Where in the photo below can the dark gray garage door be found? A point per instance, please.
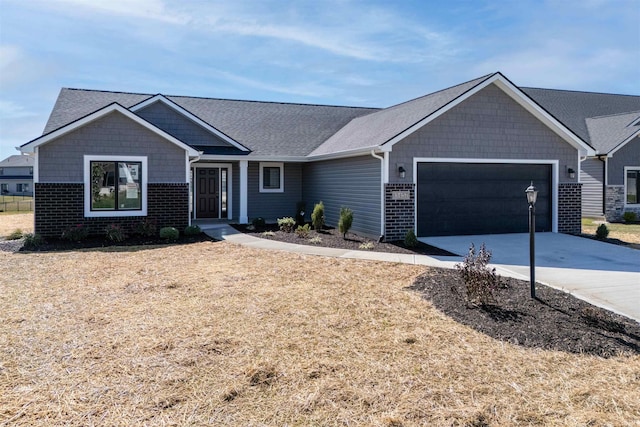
(480, 198)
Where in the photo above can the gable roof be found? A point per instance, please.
(175, 107)
(573, 108)
(384, 128)
(265, 128)
(17, 161)
(30, 146)
(612, 131)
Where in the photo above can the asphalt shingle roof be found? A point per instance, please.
(573, 108)
(17, 161)
(610, 131)
(266, 128)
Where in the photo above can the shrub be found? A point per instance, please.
(301, 207)
(345, 221)
(145, 228)
(75, 233)
(33, 241)
(480, 280)
(15, 234)
(303, 231)
(268, 233)
(287, 224)
(114, 233)
(316, 240)
(258, 222)
(169, 233)
(629, 216)
(602, 232)
(367, 246)
(317, 216)
(410, 239)
(192, 230)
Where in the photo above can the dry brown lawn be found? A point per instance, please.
(629, 233)
(9, 222)
(218, 334)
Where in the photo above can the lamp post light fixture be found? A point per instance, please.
(532, 196)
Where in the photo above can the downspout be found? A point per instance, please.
(382, 216)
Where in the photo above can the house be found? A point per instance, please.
(16, 176)
(611, 125)
(456, 161)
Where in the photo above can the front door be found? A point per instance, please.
(208, 193)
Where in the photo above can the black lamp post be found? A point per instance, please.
(532, 196)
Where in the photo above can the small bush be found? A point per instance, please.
(114, 233)
(629, 216)
(33, 241)
(602, 232)
(268, 233)
(303, 231)
(287, 224)
(367, 246)
(145, 228)
(169, 233)
(75, 233)
(317, 216)
(345, 221)
(15, 234)
(316, 240)
(410, 239)
(192, 230)
(258, 222)
(480, 280)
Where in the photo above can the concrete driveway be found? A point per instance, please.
(603, 274)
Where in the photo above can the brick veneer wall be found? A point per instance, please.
(570, 208)
(399, 214)
(59, 205)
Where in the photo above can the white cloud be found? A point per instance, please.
(141, 9)
(11, 110)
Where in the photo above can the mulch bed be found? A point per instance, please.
(332, 238)
(553, 321)
(53, 245)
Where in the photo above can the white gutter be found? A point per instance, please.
(382, 175)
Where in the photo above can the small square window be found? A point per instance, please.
(271, 177)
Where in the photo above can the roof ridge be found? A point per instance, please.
(220, 99)
(486, 76)
(614, 114)
(579, 91)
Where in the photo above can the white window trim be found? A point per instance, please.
(272, 165)
(626, 169)
(88, 213)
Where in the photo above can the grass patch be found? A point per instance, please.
(247, 337)
(629, 233)
(13, 221)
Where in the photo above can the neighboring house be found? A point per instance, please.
(16, 176)
(611, 125)
(456, 161)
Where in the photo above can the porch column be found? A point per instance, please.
(244, 167)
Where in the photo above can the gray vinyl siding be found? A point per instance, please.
(628, 155)
(178, 125)
(16, 171)
(592, 178)
(271, 206)
(62, 160)
(353, 182)
(488, 125)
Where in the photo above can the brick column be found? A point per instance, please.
(570, 208)
(399, 209)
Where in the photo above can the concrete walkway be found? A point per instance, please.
(603, 274)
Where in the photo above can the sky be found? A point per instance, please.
(372, 53)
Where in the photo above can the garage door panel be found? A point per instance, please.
(471, 198)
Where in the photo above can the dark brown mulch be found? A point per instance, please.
(54, 245)
(332, 238)
(553, 321)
